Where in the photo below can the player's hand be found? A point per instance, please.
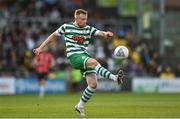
(37, 50)
(109, 34)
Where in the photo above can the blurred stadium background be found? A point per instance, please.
(149, 28)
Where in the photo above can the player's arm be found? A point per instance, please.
(50, 39)
(104, 34)
(54, 36)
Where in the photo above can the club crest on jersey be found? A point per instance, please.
(83, 57)
(79, 39)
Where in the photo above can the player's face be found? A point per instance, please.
(81, 20)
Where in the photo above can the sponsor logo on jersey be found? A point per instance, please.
(79, 39)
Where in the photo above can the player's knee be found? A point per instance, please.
(92, 63)
(93, 85)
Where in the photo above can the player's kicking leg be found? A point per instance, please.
(104, 72)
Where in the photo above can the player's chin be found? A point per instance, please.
(82, 25)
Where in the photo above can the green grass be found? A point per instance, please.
(101, 105)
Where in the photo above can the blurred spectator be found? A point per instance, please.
(167, 73)
(177, 70)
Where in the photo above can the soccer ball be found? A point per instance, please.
(121, 52)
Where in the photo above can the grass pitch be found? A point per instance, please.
(102, 105)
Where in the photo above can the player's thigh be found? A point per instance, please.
(78, 61)
(91, 80)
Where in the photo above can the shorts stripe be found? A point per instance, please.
(85, 62)
(88, 72)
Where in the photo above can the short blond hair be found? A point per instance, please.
(80, 11)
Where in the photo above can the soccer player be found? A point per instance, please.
(77, 37)
(42, 63)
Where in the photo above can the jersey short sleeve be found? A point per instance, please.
(61, 30)
(94, 31)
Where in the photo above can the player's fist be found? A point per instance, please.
(37, 50)
(109, 34)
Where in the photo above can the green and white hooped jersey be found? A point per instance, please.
(76, 39)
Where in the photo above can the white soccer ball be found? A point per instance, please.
(121, 52)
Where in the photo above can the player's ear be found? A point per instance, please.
(75, 17)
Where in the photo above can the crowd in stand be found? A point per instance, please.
(24, 24)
